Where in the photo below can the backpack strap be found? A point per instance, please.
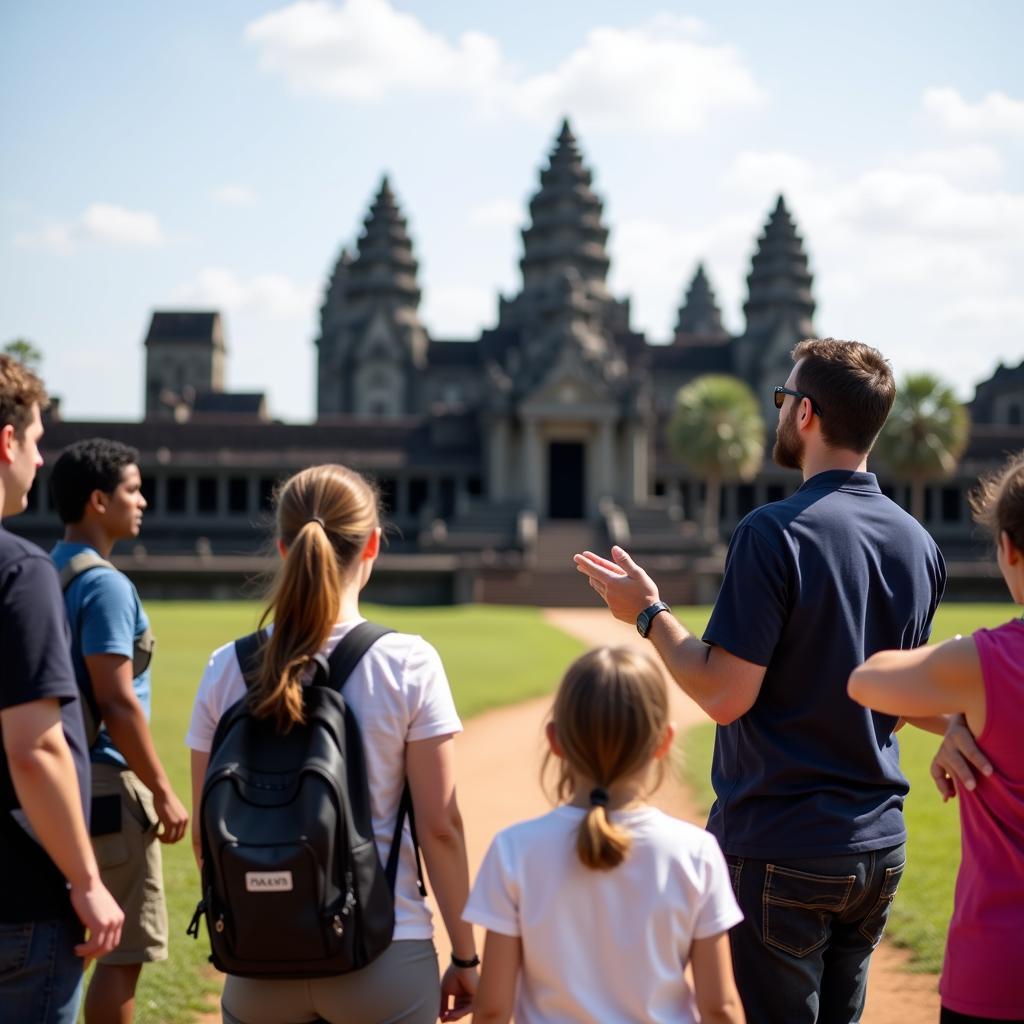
(82, 562)
(247, 651)
(75, 567)
(342, 661)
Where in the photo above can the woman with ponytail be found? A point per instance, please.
(594, 910)
(328, 536)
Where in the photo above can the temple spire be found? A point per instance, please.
(384, 267)
(566, 231)
(779, 282)
(699, 316)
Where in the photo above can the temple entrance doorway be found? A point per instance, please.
(566, 480)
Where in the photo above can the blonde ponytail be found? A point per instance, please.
(610, 714)
(601, 844)
(325, 515)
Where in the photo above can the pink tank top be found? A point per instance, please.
(983, 973)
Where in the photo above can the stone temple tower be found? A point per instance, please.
(779, 307)
(372, 346)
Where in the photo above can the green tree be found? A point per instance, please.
(925, 435)
(25, 352)
(717, 432)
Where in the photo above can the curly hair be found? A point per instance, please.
(20, 390)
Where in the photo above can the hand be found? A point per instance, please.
(957, 755)
(458, 987)
(171, 814)
(621, 584)
(101, 916)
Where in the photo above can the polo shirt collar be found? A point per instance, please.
(845, 479)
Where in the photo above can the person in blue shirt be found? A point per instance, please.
(809, 792)
(55, 913)
(98, 493)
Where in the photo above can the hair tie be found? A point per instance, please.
(316, 519)
(599, 797)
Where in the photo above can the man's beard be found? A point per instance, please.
(789, 450)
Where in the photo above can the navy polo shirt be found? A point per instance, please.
(35, 655)
(813, 586)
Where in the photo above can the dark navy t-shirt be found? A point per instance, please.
(35, 664)
(813, 586)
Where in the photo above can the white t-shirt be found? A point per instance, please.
(399, 694)
(610, 946)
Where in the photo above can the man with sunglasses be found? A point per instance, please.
(97, 489)
(809, 792)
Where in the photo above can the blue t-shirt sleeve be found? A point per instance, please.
(34, 639)
(753, 604)
(107, 622)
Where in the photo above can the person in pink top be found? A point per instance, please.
(982, 678)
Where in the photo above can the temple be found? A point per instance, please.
(497, 456)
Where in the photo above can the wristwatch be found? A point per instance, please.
(473, 961)
(646, 617)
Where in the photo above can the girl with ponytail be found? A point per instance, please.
(328, 536)
(594, 910)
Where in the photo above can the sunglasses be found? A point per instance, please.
(780, 397)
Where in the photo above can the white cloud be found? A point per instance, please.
(962, 164)
(270, 295)
(996, 114)
(497, 213)
(765, 174)
(105, 223)
(1004, 313)
(659, 77)
(234, 195)
(927, 204)
(364, 49)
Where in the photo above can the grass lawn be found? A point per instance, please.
(493, 656)
(922, 908)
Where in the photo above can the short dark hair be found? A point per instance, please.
(20, 389)
(852, 384)
(96, 464)
(998, 501)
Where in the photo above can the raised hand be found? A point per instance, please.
(621, 583)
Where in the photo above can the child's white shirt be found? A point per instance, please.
(608, 946)
(399, 694)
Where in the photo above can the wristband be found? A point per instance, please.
(473, 961)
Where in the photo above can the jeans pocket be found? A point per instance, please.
(796, 906)
(15, 946)
(735, 865)
(873, 926)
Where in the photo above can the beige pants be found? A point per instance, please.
(131, 867)
(400, 987)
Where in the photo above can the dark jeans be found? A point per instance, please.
(40, 976)
(801, 953)
(952, 1017)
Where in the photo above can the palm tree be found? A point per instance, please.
(925, 435)
(25, 352)
(717, 431)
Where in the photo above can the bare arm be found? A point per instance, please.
(122, 714)
(715, 988)
(44, 779)
(199, 760)
(503, 958)
(723, 685)
(939, 689)
(430, 765)
(923, 682)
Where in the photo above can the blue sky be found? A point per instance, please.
(219, 155)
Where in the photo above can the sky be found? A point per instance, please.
(218, 156)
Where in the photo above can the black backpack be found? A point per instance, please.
(292, 883)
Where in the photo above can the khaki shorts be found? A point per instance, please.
(130, 863)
